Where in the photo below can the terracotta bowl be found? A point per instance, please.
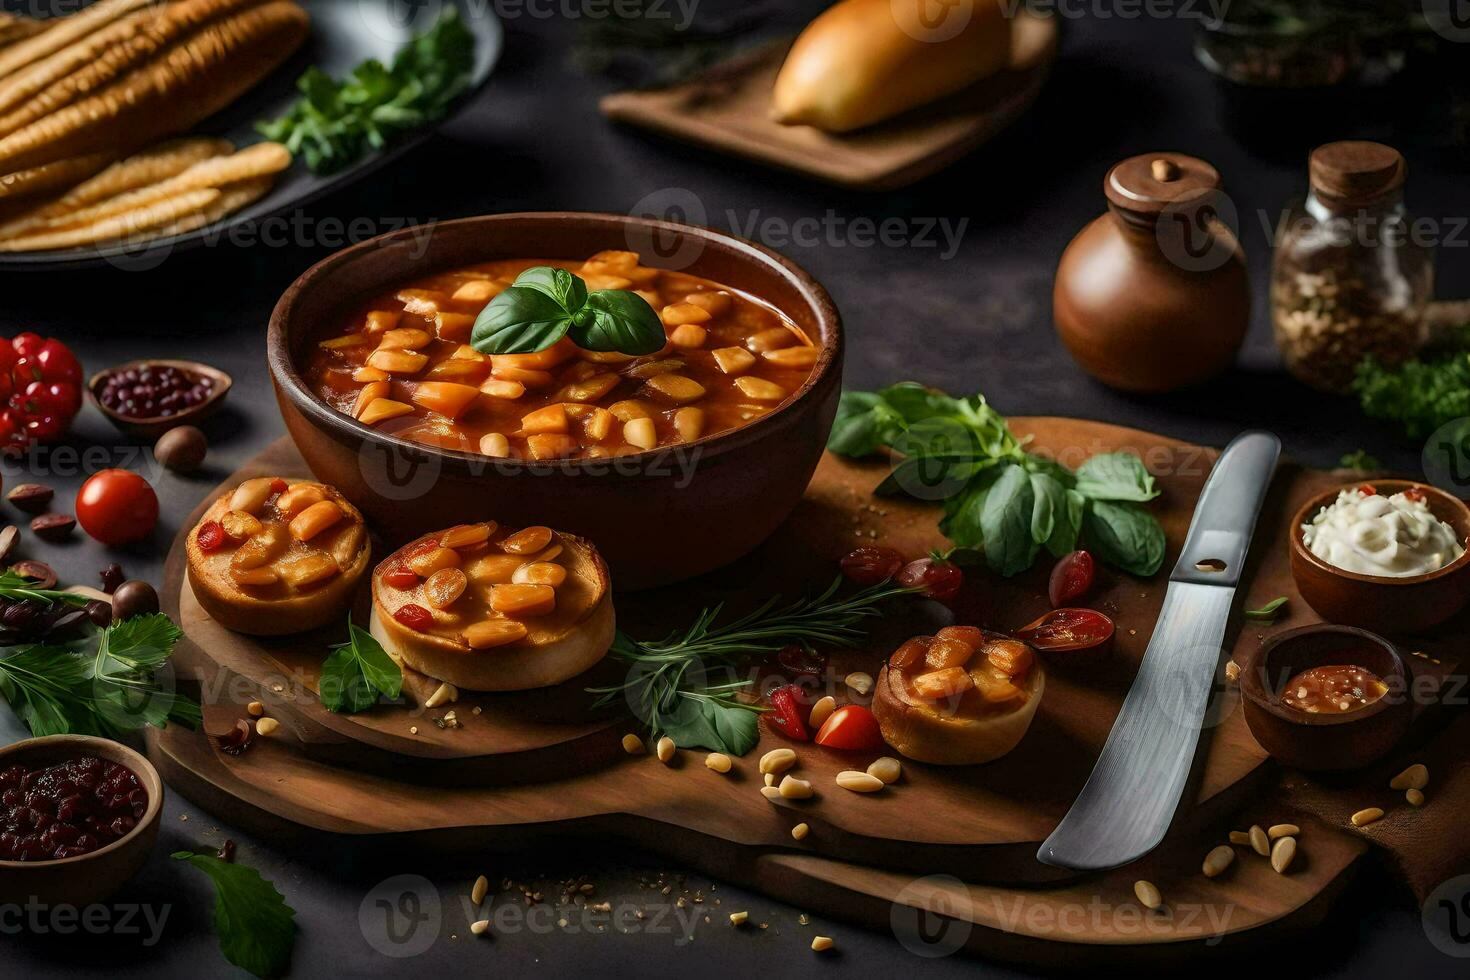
(1347, 740)
(657, 517)
(1410, 604)
(92, 877)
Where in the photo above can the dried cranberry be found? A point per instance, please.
(414, 616)
(211, 536)
(66, 809)
(801, 661)
(871, 565)
(401, 578)
(940, 579)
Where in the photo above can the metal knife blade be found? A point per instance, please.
(1129, 800)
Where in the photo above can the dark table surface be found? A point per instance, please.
(966, 312)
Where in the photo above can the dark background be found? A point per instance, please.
(977, 320)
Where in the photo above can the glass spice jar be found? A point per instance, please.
(1350, 276)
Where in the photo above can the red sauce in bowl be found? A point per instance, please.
(66, 809)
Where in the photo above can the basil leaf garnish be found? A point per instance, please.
(546, 304)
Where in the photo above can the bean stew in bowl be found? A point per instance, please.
(615, 376)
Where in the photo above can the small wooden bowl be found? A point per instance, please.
(1325, 742)
(152, 428)
(87, 878)
(1408, 604)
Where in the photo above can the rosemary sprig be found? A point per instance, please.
(668, 684)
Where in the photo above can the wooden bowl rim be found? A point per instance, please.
(1307, 511)
(286, 375)
(1251, 686)
(104, 748)
(222, 379)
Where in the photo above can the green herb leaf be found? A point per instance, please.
(1005, 522)
(618, 320)
(1123, 535)
(255, 926)
(335, 123)
(357, 673)
(1115, 476)
(1269, 611)
(15, 586)
(520, 320)
(864, 424)
(1359, 459)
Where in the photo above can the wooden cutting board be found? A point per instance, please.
(727, 109)
(526, 767)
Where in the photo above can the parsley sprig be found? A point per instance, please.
(255, 926)
(669, 685)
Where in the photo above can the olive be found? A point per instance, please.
(99, 612)
(133, 598)
(182, 449)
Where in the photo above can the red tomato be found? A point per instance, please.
(871, 565)
(940, 579)
(1415, 494)
(211, 536)
(1367, 489)
(117, 507)
(1071, 579)
(414, 616)
(785, 715)
(41, 388)
(1068, 629)
(851, 727)
(401, 578)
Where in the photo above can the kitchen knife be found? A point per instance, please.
(1130, 798)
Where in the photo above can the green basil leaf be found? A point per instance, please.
(1068, 524)
(255, 926)
(708, 724)
(569, 291)
(1049, 498)
(1005, 522)
(521, 320)
(915, 403)
(864, 424)
(1116, 476)
(962, 513)
(356, 673)
(1269, 611)
(1124, 535)
(618, 320)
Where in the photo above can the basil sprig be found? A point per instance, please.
(546, 304)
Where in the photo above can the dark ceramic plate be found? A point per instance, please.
(343, 34)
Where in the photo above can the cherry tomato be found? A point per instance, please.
(117, 507)
(871, 565)
(1071, 579)
(414, 616)
(940, 579)
(801, 661)
(401, 578)
(1068, 629)
(851, 727)
(785, 715)
(40, 387)
(211, 536)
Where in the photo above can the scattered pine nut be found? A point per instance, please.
(859, 682)
(1414, 777)
(859, 782)
(718, 761)
(665, 749)
(771, 793)
(443, 694)
(255, 709)
(886, 768)
(1218, 860)
(477, 893)
(1282, 830)
(1148, 894)
(1260, 843)
(633, 745)
(738, 918)
(413, 729)
(1414, 796)
(778, 760)
(481, 927)
(1232, 671)
(770, 779)
(1364, 817)
(820, 944)
(800, 831)
(1240, 837)
(1282, 853)
(792, 788)
(821, 711)
(266, 726)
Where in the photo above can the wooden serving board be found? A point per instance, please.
(528, 767)
(727, 108)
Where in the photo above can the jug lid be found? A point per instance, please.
(1147, 184)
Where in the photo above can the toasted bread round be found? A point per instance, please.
(953, 732)
(556, 644)
(302, 596)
